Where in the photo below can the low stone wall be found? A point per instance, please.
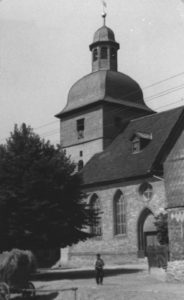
(175, 271)
(88, 259)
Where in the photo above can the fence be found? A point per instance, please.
(30, 293)
(62, 294)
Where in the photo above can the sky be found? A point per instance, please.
(44, 50)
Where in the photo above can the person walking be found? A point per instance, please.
(99, 271)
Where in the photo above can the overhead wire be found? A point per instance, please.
(111, 123)
(156, 96)
(146, 99)
(146, 87)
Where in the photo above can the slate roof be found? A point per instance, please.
(106, 86)
(118, 162)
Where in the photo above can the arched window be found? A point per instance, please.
(95, 54)
(119, 213)
(104, 52)
(113, 53)
(80, 165)
(96, 229)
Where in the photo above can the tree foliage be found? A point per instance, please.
(161, 223)
(41, 202)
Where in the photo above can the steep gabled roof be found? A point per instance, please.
(118, 162)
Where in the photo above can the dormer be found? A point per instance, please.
(140, 140)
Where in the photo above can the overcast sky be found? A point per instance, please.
(44, 50)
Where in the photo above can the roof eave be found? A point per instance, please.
(65, 113)
(146, 175)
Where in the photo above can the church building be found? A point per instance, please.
(123, 150)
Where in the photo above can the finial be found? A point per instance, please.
(104, 14)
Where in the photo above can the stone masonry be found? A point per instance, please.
(120, 248)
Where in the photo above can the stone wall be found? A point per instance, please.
(176, 233)
(174, 174)
(175, 271)
(174, 185)
(119, 248)
(88, 150)
(91, 143)
(93, 124)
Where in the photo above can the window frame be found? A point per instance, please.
(95, 54)
(95, 205)
(120, 218)
(136, 145)
(113, 53)
(80, 165)
(80, 126)
(103, 52)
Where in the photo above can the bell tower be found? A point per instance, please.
(104, 49)
(100, 104)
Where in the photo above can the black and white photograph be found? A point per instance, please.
(92, 149)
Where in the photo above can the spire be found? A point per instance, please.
(104, 14)
(104, 47)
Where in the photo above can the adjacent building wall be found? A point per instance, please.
(174, 184)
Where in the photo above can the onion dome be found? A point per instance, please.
(104, 34)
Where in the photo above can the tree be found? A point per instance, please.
(41, 202)
(161, 223)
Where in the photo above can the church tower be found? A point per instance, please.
(100, 104)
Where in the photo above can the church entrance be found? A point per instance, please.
(147, 234)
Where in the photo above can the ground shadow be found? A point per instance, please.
(80, 274)
(49, 296)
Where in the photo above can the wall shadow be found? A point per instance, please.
(80, 274)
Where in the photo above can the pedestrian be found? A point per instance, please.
(99, 272)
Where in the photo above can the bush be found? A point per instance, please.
(16, 267)
(161, 223)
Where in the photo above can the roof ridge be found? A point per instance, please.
(158, 113)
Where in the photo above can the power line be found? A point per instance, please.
(146, 87)
(147, 99)
(109, 124)
(163, 80)
(44, 125)
(158, 95)
(55, 131)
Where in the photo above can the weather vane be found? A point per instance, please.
(104, 14)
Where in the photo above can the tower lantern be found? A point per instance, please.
(104, 48)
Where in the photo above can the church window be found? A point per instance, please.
(95, 54)
(146, 190)
(104, 52)
(96, 228)
(80, 128)
(81, 153)
(80, 165)
(119, 213)
(113, 53)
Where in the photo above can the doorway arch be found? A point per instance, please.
(146, 231)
